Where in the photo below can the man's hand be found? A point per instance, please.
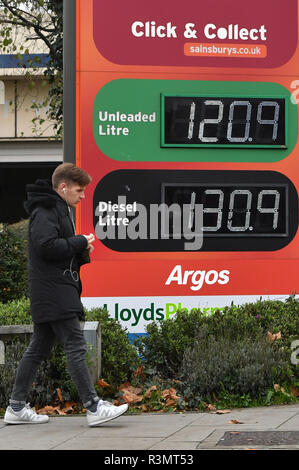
(90, 239)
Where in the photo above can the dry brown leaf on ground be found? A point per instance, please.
(131, 398)
(278, 388)
(143, 408)
(102, 383)
(149, 392)
(46, 410)
(131, 395)
(170, 402)
(129, 388)
(222, 412)
(68, 407)
(170, 393)
(124, 385)
(71, 404)
(60, 411)
(235, 421)
(210, 407)
(59, 394)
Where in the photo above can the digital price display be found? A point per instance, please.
(233, 211)
(241, 210)
(199, 121)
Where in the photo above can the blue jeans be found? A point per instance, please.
(70, 335)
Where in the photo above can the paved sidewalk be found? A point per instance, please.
(273, 427)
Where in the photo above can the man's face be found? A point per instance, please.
(73, 194)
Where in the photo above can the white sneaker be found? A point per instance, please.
(25, 416)
(105, 412)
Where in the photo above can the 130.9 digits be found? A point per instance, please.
(233, 211)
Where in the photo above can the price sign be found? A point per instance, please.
(234, 211)
(241, 210)
(218, 121)
(187, 121)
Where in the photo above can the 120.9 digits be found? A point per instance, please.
(201, 121)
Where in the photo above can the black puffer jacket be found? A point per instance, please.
(55, 256)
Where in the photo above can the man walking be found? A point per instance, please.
(56, 254)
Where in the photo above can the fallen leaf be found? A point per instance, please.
(211, 407)
(170, 402)
(278, 388)
(60, 411)
(272, 337)
(129, 388)
(235, 421)
(67, 409)
(59, 394)
(152, 389)
(139, 371)
(131, 395)
(124, 385)
(46, 410)
(234, 432)
(249, 448)
(71, 404)
(222, 412)
(172, 394)
(131, 398)
(102, 383)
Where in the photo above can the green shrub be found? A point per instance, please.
(52, 374)
(21, 229)
(13, 263)
(15, 312)
(168, 339)
(271, 315)
(119, 357)
(13, 353)
(240, 366)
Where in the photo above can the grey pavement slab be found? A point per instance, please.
(264, 438)
(161, 431)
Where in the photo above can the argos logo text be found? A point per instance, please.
(197, 278)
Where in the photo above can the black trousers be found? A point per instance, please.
(45, 335)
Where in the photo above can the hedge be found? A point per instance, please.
(119, 357)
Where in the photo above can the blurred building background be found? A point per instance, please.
(28, 146)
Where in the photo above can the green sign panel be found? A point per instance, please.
(205, 121)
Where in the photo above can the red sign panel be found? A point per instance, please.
(215, 33)
(184, 103)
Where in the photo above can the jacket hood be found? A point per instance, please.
(41, 193)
